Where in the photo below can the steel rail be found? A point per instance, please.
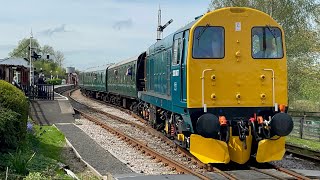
(303, 152)
(267, 173)
(280, 169)
(144, 148)
(289, 172)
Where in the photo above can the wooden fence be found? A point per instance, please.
(306, 125)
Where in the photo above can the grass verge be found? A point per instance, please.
(308, 144)
(37, 157)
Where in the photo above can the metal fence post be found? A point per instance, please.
(53, 92)
(301, 125)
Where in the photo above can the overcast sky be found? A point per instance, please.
(92, 32)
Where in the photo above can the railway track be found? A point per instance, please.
(187, 164)
(303, 153)
(123, 129)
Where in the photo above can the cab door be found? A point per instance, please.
(184, 66)
(178, 72)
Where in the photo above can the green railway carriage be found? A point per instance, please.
(122, 78)
(118, 83)
(126, 78)
(94, 79)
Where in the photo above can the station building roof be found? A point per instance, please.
(15, 62)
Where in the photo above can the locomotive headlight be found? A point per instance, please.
(281, 124)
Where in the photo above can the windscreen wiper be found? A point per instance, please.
(271, 31)
(203, 29)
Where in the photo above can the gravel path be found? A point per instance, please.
(92, 152)
(291, 162)
(133, 158)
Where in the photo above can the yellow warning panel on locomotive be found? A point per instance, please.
(240, 150)
(209, 150)
(271, 150)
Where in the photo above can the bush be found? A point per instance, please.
(14, 114)
(35, 176)
(9, 136)
(54, 81)
(19, 162)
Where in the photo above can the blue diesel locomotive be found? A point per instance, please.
(217, 86)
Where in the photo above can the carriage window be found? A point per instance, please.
(208, 42)
(266, 43)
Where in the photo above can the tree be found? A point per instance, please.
(300, 20)
(48, 67)
(23, 50)
(47, 50)
(59, 58)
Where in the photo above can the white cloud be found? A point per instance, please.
(51, 31)
(118, 25)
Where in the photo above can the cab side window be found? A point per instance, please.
(176, 51)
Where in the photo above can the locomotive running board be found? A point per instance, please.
(271, 150)
(209, 150)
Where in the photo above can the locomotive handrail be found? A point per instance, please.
(202, 79)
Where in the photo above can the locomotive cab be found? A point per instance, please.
(219, 87)
(236, 69)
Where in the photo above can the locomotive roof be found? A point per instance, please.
(124, 62)
(98, 68)
(188, 26)
(168, 40)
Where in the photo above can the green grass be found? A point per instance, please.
(309, 144)
(46, 143)
(49, 141)
(304, 105)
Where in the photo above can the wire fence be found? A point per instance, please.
(306, 125)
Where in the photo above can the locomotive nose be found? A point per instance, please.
(281, 124)
(208, 126)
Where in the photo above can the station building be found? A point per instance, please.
(11, 67)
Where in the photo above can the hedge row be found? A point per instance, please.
(54, 81)
(14, 115)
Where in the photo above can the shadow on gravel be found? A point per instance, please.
(234, 166)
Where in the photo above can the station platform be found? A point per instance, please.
(48, 112)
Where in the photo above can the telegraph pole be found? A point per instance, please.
(30, 60)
